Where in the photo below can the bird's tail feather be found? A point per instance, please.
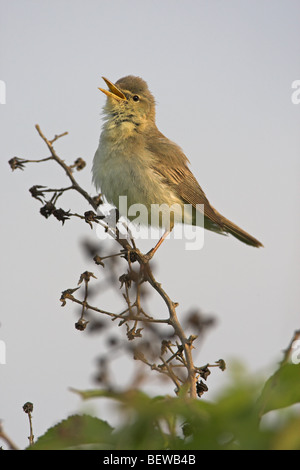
(239, 233)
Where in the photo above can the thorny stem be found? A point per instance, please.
(86, 284)
(170, 373)
(55, 157)
(116, 316)
(55, 190)
(173, 320)
(37, 161)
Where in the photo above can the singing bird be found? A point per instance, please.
(134, 159)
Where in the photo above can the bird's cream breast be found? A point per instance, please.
(119, 171)
(119, 133)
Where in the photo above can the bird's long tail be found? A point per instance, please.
(239, 233)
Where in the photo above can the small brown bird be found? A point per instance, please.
(134, 159)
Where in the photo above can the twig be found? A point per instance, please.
(55, 157)
(28, 408)
(58, 137)
(185, 342)
(35, 161)
(7, 439)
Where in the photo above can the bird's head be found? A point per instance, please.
(129, 100)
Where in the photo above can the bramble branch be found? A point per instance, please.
(176, 353)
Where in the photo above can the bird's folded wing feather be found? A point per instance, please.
(172, 164)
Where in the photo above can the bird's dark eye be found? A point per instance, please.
(136, 98)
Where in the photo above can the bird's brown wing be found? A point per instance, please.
(172, 164)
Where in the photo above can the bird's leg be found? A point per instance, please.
(144, 269)
(150, 253)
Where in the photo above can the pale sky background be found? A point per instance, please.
(221, 73)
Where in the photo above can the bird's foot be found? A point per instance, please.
(148, 256)
(136, 255)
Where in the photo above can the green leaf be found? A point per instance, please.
(281, 390)
(75, 432)
(288, 437)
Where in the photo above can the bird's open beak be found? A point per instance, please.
(114, 91)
